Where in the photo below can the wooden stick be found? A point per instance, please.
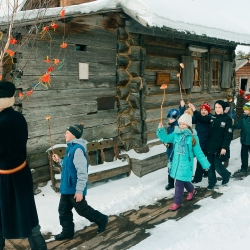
(163, 86)
(50, 137)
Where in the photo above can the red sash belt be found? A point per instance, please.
(13, 170)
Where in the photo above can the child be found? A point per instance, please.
(186, 146)
(218, 142)
(202, 133)
(74, 182)
(244, 125)
(172, 122)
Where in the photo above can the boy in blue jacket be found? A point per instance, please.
(172, 122)
(73, 186)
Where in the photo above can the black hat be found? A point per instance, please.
(221, 103)
(7, 89)
(76, 130)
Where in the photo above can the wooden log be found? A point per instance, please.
(126, 136)
(123, 119)
(136, 127)
(122, 92)
(124, 129)
(134, 100)
(122, 77)
(122, 33)
(123, 106)
(137, 53)
(162, 63)
(136, 114)
(134, 68)
(122, 61)
(134, 85)
(122, 47)
(165, 51)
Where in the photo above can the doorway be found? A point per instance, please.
(243, 84)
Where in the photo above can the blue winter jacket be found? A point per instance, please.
(74, 178)
(201, 128)
(170, 148)
(182, 164)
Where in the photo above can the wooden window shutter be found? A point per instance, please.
(187, 72)
(226, 74)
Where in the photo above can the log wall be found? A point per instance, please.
(67, 99)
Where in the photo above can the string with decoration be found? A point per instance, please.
(244, 95)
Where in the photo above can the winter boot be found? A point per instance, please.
(191, 195)
(169, 186)
(36, 239)
(102, 228)
(64, 236)
(174, 207)
(2, 241)
(226, 180)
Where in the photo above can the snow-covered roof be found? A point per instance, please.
(240, 63)
(223, 19)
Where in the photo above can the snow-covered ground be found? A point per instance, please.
(222, 223)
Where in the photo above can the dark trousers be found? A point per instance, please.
(244, 156)
(199, 171)
(67, 203)
(36, 240)
(170, 179)
(179, 190)
(216, 165)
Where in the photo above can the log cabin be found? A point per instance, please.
(111, 72)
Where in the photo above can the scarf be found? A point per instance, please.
(181, 149)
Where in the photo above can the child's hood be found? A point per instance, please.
(186, 130)
(79, 141)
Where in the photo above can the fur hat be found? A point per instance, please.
(186, 118)
(246, 106)
(221, 103)
(173, 113)
(76, 130)
(205, 106)
(7, 91)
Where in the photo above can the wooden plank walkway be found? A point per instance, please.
(123, 231)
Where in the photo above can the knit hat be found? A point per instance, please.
(205, 106)
(246, 106)
(221, 103)
(186, 118)
(76, 130)
(7, 91)
(173, 113)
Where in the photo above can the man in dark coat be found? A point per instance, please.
(18, 215)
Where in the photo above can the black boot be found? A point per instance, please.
(64, 236)
(36, 239)
(2, 241)
(102, 228)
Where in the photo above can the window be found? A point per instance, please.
(197, 72)
(215, 73)
(81, 47)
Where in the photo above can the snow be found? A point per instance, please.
(221, 223)
(224, 19)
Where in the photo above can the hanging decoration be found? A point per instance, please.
(20, 95)
(45, 78)
(50, 69)
(29, 93)
(56, 61)
(47, 60)
(243, 95)
(13, 40)
(62, 13)
(10, 52)
(54, 26)
(63, 45)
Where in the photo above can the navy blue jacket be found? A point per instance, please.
(201, 128)
(170, 148)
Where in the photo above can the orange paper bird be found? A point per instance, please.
(13, 40)
(45, 28)
(63, 45)
(47, 60)
(10, 52)
(45, 78)
(62, 13)
(56, 61)
(54, 26)
(29, 93)
(47, 117)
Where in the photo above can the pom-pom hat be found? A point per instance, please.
(246, 106)
(186, 118)
(205, 106)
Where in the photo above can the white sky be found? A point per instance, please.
(222, 223)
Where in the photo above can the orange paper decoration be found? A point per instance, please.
(56, 61)
(47, 117)
(50, 69)
(29, 93)
(45, 78)
(47, 60)
(20, 94)
(62, 13)
(63, 45)
(10, 52)
(54, 26)
(13, 40)
(46, 28)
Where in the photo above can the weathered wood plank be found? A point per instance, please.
(162, 63)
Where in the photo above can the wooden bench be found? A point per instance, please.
(101, 164)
